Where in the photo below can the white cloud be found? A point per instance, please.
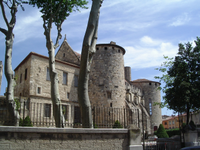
(148, 41)
(180, 20)
(144, 56)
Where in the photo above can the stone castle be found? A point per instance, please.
(110, 83)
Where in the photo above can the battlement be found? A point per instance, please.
(111, 47)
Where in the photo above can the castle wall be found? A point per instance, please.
(1, 73)
(151, 95)
(106, 83)
(37, 78)
(23, 85)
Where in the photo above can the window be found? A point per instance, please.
(110, 104)
(47, 110)
(173, 122)
(149, 83)
(165, 123)
(169, 122)
(68, 95)
(63, 54)
(21, 78)
(39, 90)
(65, 109)
(150, 107)
(65, 78)
(25, 77)
(77, 114)
(109, 94)
(48, 75)
(76, 81)
(105, 48)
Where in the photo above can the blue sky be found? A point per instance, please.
(147, 29)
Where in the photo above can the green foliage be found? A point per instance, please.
(18, 104)
(183, 125)
(182, 79)
(117, 124)
(95, 126)
(161, 133)
(57, 10)
(172, 132)
(164, 78)
(25, 122)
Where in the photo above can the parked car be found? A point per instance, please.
(191, 148)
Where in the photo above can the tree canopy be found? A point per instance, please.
(182, 89)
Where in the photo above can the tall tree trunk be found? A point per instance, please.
(11, 105)
(55, 97)
(88, 50)
(14, 114)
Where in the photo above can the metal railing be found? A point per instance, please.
(41, 115)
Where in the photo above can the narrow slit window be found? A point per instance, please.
(76, 80)
(25, 77)
(39, 90)
(65, 78)
(109, 95)
(21, 78)
(48, 75)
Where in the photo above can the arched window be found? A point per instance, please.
(150, 106)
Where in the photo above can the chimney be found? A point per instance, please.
(127, 72)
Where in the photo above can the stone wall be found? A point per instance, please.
(54, 138)
(1, 73)
(151, 95)
(65, 53)
(106, 83)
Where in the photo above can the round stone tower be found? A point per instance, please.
(151, 95)
(107, 82)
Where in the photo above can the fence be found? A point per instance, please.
(41, 115)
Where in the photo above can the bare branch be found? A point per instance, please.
(13, 13)
(59, 36)
(7, 5)
(4, 31)
(4, 14)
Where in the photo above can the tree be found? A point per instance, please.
(183, 90)
(88, 50)
(161, 132)
(55, 11)
(11, 105)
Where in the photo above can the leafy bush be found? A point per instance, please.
(117, 124)
(161, 133)
(25, 122)
(18, 104)
(172, 132)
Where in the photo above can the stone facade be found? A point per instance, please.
(110, 83)
(151, 95)
(106, 84)
(34, 84)
(1, 73)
